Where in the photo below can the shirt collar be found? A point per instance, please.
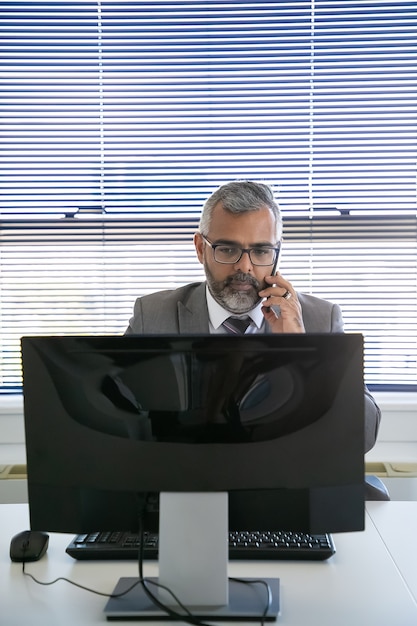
(217, 314)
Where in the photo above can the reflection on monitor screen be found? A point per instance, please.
(274, 421)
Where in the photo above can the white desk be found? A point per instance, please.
(371, 580)
(394, 523)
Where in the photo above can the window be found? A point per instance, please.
(121, 118)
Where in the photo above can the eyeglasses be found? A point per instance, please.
(229, 254)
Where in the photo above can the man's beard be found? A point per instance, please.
(229, 297)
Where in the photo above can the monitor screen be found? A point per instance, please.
(277, 421)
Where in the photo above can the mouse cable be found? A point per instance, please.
(141, 506)
(72, 582)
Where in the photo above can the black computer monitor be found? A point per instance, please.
(274, 421)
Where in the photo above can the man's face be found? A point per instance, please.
(235, 287)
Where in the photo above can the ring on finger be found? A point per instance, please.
(286, 295)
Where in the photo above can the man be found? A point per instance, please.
(238, 243)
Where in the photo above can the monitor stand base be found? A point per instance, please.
(247, 602)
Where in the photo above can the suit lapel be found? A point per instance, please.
(193, 316)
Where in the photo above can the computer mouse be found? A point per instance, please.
(29, 545)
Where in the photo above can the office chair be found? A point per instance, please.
(375, 488)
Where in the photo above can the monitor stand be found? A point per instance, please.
(193, 564)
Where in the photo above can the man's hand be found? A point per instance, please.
(289, 318)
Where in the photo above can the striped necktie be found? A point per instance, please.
(236, 326)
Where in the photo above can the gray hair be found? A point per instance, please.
(240, 196)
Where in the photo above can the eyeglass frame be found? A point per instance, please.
(248, 251)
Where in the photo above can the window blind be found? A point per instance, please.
(81, 276)
(120, 118)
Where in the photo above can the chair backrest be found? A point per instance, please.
(375, 488)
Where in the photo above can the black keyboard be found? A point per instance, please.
(242, 545)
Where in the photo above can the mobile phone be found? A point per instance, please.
(275, 266)
(274, 269)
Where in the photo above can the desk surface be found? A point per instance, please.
(395, 523)
(371, 580)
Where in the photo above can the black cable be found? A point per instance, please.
(187, 616)
(258, 581)
(71, 582)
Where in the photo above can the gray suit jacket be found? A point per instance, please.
(184, 311)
